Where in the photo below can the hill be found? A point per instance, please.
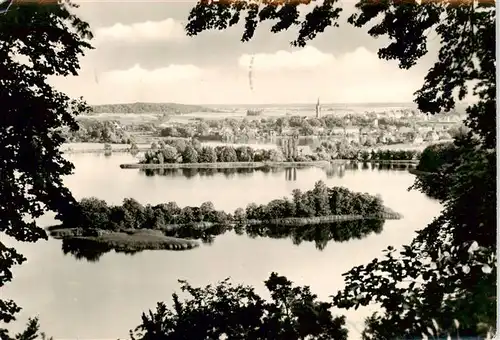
(166, 108)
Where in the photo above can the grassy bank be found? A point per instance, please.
(130, 240)
(300, 221)
(223, 165)
(146, 235)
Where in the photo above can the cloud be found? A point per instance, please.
(137, 74)
(306, 58)
(300, 76)
(311, 58)
(355, 76)
(148, 31)
(169, 83)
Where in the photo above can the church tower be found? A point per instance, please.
(318, 109)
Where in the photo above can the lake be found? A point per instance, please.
(103, 300)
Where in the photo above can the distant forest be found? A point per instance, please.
(166, 108)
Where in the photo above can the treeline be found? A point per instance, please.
(169, 108)
(300, 125)
(95, 214)
(344, 150)
(97, 131)
(192, 151)
(437, 160)
(320, 201)
(435, 156)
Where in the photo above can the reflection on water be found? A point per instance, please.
(83, 249)
(192, 172)
(332, 170)
(320, 234)
(111, 295)
(291, 174)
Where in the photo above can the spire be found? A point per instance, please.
(318, 109)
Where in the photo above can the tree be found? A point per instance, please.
(94, 214)
(202, 129)
(189, 155)
(226, 311)
(170, 210)
(170, 154)
(239, 215)
(196, 144)
(251, 211)
(159, 156)
(207, 155)
(207, 211)
(228, 154)
(306, 129)
(179, 144)
(436, 162)
(244, 154)
(133, 213)
(451, 263)
(321, 199)
(134, 149)
(52, 39)
(169, 131)
(185, 131)
(275, 155)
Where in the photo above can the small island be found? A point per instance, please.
(134, 227)
(190, 153)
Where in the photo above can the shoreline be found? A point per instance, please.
(223, 165)
(257, 165)
(129, 240)
(420, 173)
(155, 239)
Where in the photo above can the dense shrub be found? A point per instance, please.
(320, 201)
(191, 151)
(93, 213)
(97, 131)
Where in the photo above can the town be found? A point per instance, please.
(369, 128)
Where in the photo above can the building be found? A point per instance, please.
(318, 109)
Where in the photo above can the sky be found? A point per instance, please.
(142, 54)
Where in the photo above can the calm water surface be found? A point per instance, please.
(81, 300)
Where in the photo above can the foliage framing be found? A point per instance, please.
(448, 272)
(36, 42)
(226, 311)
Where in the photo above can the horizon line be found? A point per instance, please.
(225, 104)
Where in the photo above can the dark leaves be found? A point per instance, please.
(446, 281)
(47, 41)
(317, 21)
(237, 312)
(222, 14)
